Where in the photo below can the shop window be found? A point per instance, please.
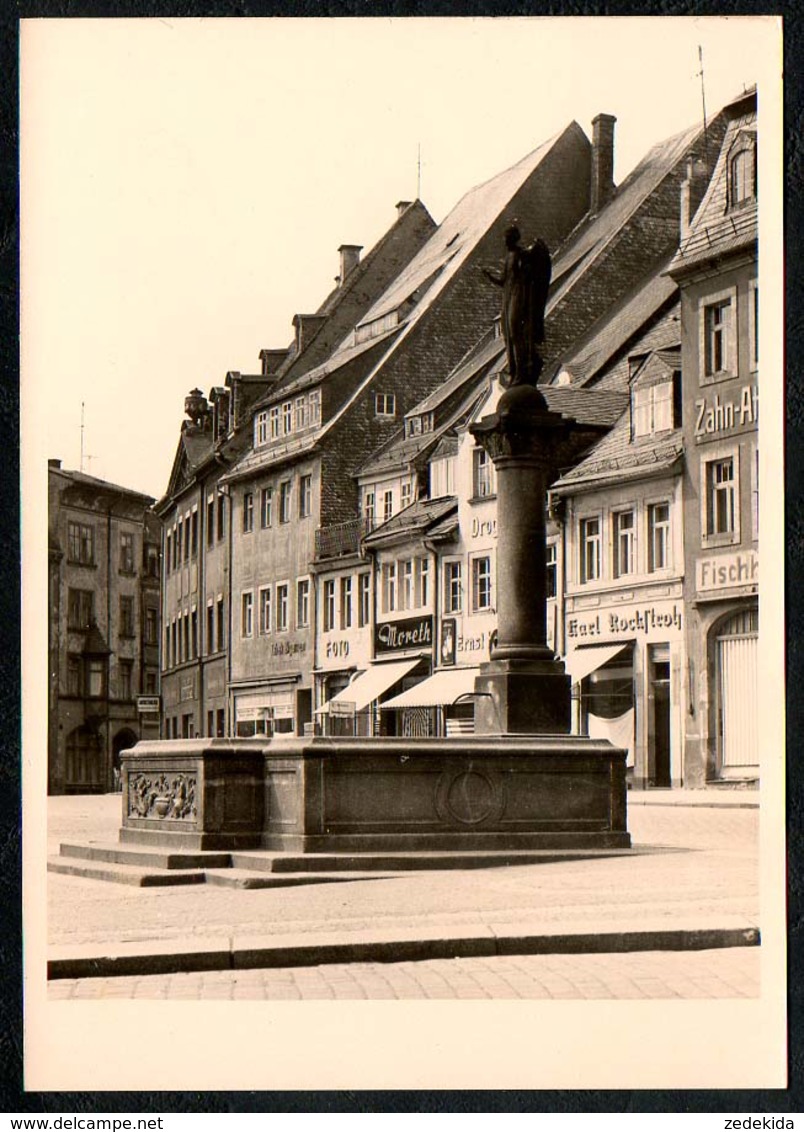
(248, 512)
(453, 592)
(126, 616)
(590, 549)
(266, 506)
(364, 598)
(247, 615)
(265, 610)
(551, 571)
(346, 603)
(305, 496)
(126, 553)
(303, 603)
(481, 584)
(282, 607)
(80, 608)
(623, 543)
(329, 605)
(658, 537)
(81, 544)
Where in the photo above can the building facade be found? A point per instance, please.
(716, 271)
(104, 626)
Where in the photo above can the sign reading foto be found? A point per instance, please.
(397, 636)
(726, 571)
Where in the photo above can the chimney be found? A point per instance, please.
(54, 463)
(306, 326)
(602, 188)
(402, 206)
(692, 192)
(350, 258)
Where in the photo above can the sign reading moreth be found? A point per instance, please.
(718, 413)
(627, 622)
(725, 571)
(398, 636)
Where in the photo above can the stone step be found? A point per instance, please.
(124, 874)
(248, 878)
(272, 862)
(114, 853)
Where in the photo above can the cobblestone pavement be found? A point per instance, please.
(704, 864)
(730, 973)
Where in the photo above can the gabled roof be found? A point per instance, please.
(81, 479)
(416, 519)
(619, 325)
(617, 458)
(716, 229)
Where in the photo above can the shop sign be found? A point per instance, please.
(336, 650)
(187, 691)
(476, 644)
(715, 415)
(148, 705)
(288, 648)
(484, 528)
(725, 571)
(397, 636)
(448, 640)
(627, 622)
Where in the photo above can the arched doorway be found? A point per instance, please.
(736, 644)
(122, 741)
(84, 770)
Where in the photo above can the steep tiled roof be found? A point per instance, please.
(617, 457)
(596, 407)
(618, 326)
(716, 229)
(415, 519)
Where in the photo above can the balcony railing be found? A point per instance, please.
(340, 538)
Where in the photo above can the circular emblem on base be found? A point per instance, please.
(469, 797)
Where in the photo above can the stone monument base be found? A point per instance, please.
(330, 795)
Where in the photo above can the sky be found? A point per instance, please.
(186, 183)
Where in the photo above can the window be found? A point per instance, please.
(150, 683)
(389, 597)
(718, 338)
(187, 537)
(387, 505)
(221, 627)
(346, 603)
(720, 497)
(220, 718)
(755, 493)
(261, 428)
(187, 653)
(81, 543)
(150, 629)
(368, 510)
(622, 523)
(315, 407)
(364, 597)
(176, 545)
(753, 324)
(483, 478)
(96, 677)
(422, 581)
(282, 607)
(194, 634)
(385, 405)
(265, 610)
(152, 561)
(194, 533)
(168, 551)
(126, 553)
(302, 603)
(452, 587)
(210, 520)
(551, 571)
(742, 172)
(284, 501)
(405, 495)
(653, 408)
(247, 615)
(287, 418)
(305, 496)
(481, 584)
(125, 672)
(210, 723)
(301, 412)
(174, 641)
(407, 600)
(442, 477)
(221, 515)
(590, 549)
(248, 512)
(210, 627)
(74, 682)
(329, 605)
(266, 505)
(658, 537)
(80, 609)
(273, 422)
(126, 616)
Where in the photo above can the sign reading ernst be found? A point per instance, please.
(397, 636)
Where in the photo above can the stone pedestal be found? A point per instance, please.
(523, 689)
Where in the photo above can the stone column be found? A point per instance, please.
(523, 689)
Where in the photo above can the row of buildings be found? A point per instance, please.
(329, 528)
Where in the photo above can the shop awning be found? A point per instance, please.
(443, 687)
(372, 683)
(584, 661)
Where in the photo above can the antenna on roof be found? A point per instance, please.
(419, 174)
(703, 102)
(81, 465)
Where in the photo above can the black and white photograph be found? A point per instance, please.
(398, 711)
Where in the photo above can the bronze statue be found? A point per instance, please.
(525, 280)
